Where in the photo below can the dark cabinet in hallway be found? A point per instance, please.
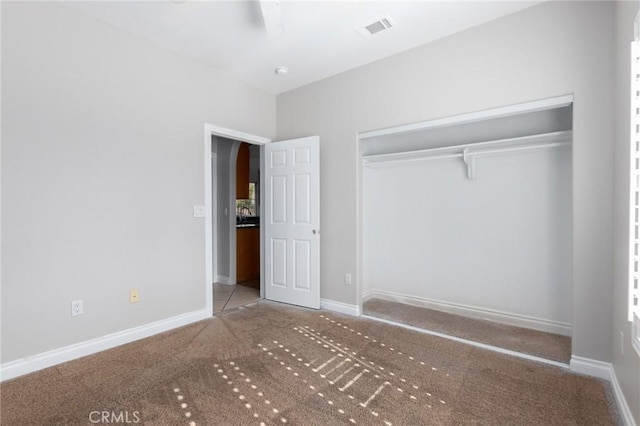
(247, 254)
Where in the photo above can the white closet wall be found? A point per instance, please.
(497, 247)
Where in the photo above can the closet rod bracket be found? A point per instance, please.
(470, 161)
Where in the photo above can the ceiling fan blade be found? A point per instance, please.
(272, 17)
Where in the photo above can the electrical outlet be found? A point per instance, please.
(621, 343)
(347, 279)
(76, 308)
(198, 211)
(134, 296)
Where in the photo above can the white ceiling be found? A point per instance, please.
(320, 38)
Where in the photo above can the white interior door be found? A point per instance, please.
(292, 220)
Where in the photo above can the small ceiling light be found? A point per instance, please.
(282, 71)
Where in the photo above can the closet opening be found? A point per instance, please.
(467, 227)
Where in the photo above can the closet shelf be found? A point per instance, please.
(469, 152)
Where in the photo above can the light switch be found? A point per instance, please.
(198, 211)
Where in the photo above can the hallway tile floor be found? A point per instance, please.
(227, 297)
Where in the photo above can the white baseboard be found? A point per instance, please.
(590, 367)
(223, 280)
(12, 369)
(343, 308)
(604, 370)
(625, 410)
(501, 317)
(368, 294)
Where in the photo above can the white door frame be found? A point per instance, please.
(210, 204)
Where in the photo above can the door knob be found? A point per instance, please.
(314, 232)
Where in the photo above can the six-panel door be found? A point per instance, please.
(292, 219)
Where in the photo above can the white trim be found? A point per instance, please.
(634, 184)
(209, 222)
(540, 105)
(213, 130)
(590, 367)
(635, 333)
(221, 279)
(472, 343)
(634, 192)
(359, 278)
(262, 224)
(625, 410)
(236, 135)
(343, 308)
(604, 370)
(501, 317)
(12, 369)
(212, 226)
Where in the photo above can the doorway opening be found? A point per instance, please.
(287, 195)
(233, 232)
(237, 186)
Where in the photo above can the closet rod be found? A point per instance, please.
(468, 157)
(522, 148)
(541, 139)
(473, 154)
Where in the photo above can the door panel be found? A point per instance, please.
(279, 270)
(301, 156)
(301, 265)
(279, 199)
(292, 220)
(278, 158)
(301, 203)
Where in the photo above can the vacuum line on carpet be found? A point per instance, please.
(310, 332)
(376, 393)
(355, 379)
(335, 368)
(343, 374)
(315, 370)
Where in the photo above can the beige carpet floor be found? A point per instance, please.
(268, 364)
(531, 342)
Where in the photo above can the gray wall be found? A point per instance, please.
(552, 49)
(627, 366)
(500, 242)
(221, 180)
(102, 162)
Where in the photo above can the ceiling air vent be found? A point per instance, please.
(376, 27)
